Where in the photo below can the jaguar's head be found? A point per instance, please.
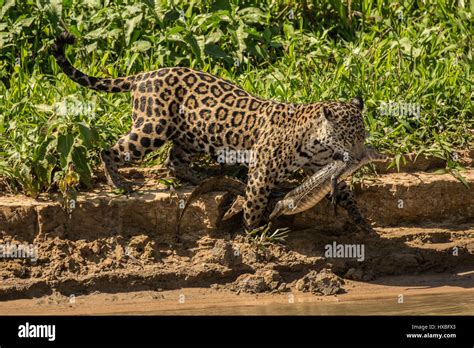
(345, 125)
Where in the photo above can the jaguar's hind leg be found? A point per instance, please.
(130, 148)
(179, 162)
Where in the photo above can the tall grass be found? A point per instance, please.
(408, 52)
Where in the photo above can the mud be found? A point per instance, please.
(112, 243)
(432, 294)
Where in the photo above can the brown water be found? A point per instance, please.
(439, 304)
(428, 295)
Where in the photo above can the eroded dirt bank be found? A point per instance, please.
(141, 262)
(113, 244)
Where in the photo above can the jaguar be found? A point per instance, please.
(200, 113)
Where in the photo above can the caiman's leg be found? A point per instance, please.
(334, 192)
(345, 198)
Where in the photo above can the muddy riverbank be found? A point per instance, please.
(433, 294)
(112, 245)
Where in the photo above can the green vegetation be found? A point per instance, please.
(51, 129)
(265, 235)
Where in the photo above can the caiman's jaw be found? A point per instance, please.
(359, 151)
(373, 155)
(362, 152)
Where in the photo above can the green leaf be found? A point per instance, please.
(65, 143)
(8, 4)
(141, 46)
(216, 52)
(130, 26)
(462, 179)
(88, 135)
(191, 40)
(81, 162)
(252, 15)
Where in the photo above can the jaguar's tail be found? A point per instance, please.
(121, 84)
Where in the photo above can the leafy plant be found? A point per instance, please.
(386, 51)
(264, 236)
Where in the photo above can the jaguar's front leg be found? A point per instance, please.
(258, 190)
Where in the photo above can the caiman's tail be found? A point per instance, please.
(121, 84)
(212, 184)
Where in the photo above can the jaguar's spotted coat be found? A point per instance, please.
(201, 113)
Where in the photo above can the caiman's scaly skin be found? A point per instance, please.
(317, 186)
(213, 184)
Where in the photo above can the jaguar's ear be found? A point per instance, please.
(327, 113)
(357, 101)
